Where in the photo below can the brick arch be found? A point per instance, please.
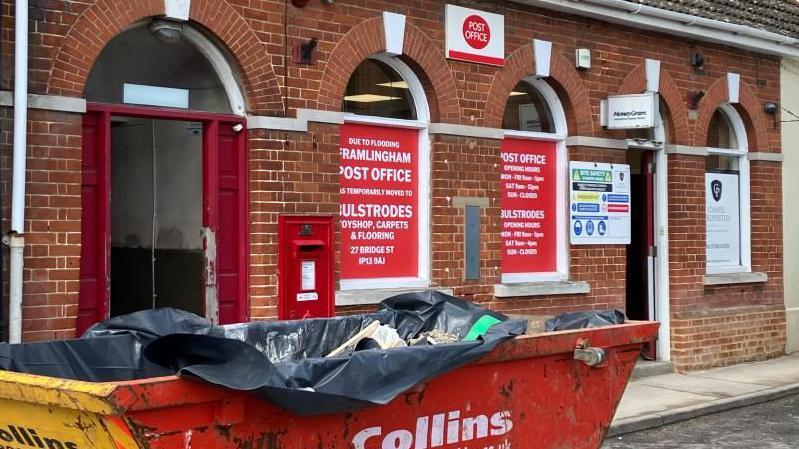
(748, 106)
(368, 38)
(635, 82)
(105, 19)
(570, 88)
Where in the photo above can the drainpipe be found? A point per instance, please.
(16, 238)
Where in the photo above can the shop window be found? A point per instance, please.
(727, 194)
(532, 184)
(157, 66)
(376, 89)
(527, 110)
(384, 178)
(721, 133)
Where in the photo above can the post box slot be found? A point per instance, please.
(308, 243)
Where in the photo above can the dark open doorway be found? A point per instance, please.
(641, 251)
(156, 215)
(200, 206)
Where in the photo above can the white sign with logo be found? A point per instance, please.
(475, 36)
(600, 203)
(723, 219)
(630, 111)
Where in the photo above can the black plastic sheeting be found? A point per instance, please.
(582, 320)
(283, 361)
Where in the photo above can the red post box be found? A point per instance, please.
(305, 267)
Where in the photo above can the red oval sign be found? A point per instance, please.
(476, 32)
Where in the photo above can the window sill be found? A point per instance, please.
(375, 296)
(734, 278)
(541, 289)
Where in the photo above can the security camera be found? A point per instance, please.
(770, 108)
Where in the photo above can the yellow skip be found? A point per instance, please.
(45, 413)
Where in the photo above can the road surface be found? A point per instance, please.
(772, 425)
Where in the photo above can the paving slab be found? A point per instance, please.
(774, 373)
(702, 385)
(658, 400)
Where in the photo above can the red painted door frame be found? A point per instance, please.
(225, 175)
(95, 220)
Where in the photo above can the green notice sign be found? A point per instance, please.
(592, 175)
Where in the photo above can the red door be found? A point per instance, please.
(95, 219)
(225, 218)
(224, 213)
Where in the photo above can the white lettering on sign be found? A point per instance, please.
(474, 36)
(529, 201)
(447, 428)
(378, 182)
(476, 32)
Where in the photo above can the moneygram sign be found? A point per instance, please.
(631, 111)
(475, 36)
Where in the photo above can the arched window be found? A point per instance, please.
(164, 64)
(528, 110)
(378, 90)
(384, 178)
(727, 193)
(532, 184)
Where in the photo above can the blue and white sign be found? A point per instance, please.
(600, 203)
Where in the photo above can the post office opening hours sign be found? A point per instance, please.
(529, 206)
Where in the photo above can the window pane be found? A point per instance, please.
(720, 133)
(378, 90)
(138, 57)
(527, 110)
(718, 163)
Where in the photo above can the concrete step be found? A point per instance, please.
(649, 368)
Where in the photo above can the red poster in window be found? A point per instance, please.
(529, 206)
(379, 201)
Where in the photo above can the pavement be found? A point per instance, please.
(770, 425)
(658, 400)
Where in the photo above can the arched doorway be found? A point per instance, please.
(164, 178)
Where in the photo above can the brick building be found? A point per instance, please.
(166, 138)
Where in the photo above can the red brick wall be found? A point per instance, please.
(52, 225)
(297, 172)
